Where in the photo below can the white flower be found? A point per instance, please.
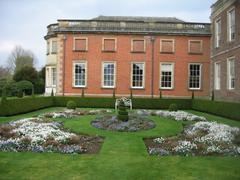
(39, 131)
(184, 147)
(159, 140)
(176, 115)
(214, 148)
(214, 132)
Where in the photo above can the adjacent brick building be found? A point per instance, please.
(225, 56)
(142, 55)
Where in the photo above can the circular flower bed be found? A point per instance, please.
(201, 138)
(135, 123)
(41, 135)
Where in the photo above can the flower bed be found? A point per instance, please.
(201, 138)
(74, 113)
(134, 123)
(41, 135)
(176, 115)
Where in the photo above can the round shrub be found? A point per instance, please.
(71, 105)
(24, 87)
(173, 107)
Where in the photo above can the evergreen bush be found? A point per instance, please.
(71, 105)
(173, 107)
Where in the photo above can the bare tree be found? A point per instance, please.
(19, 58)
(4, 72)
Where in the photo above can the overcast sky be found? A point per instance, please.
(23, 22)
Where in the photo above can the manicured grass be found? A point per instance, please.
(123, 156)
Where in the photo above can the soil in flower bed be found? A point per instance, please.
(44, 135)
(200, 139)
(135, 123)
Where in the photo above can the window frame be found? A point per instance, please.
(229, 37)
(217, 76)
(200, 76)
(49, 76)
(115, 74)
(144, 69)
(54, 74)
(172, 76)
(173, 44)
(54, 52)
(80, 38)
(218, 32)
(138, 39)
(229, 74)
(109, 38)
(48, 47)
(195, 40)
(73, 73)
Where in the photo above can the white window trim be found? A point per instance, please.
(229, 38)
(173, 41)
(79, 38)
(228, 72)
(200, 79)
(49, 78)
(73, 73)
(217, 38)
(109, 38)
(138, 39)
(195, 40)
(115, 74)
(160, 75)
(216, 77)
(144, 69)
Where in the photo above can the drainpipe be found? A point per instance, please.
(64, 57)
(152, 78)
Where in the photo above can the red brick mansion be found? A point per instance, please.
(123, 55)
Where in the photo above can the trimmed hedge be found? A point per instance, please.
(85, 102)
(148, 103)
(24, 105)
(224, 109)
(28, 104)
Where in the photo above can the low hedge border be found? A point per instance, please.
(142, 103)
(24, 105)
(85, 102)
(224, 109)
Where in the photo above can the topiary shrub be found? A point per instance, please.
(122, 112)
(71, 105)
(193, 95)
(173, 107)
(83, 93)
(52, 93)
(212, 97)
(114, 94)
(160, 94)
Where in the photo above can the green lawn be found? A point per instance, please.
(123, 156)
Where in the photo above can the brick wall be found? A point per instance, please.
(224, 51)
(123, 58)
